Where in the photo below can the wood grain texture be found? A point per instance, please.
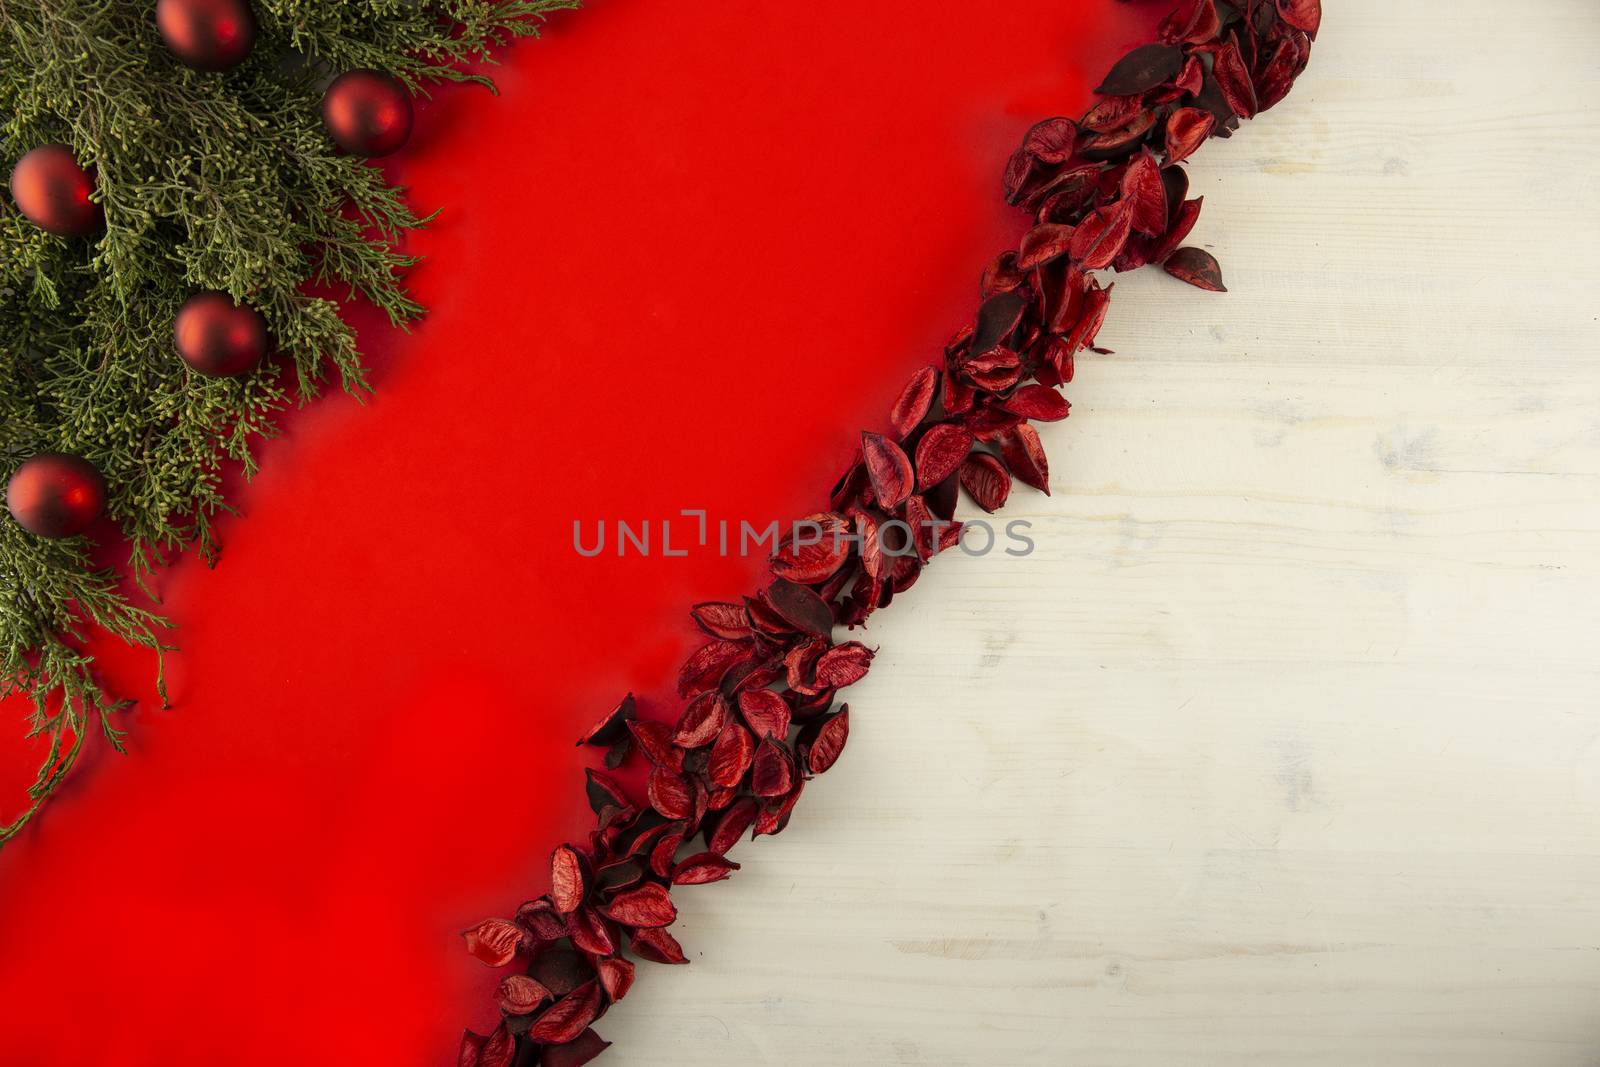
(1284, 747)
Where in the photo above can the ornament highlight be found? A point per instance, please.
(210, 35)
(52, 190)
(219, 338)
(56, 495)
(367, 113)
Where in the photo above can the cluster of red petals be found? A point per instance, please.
(759, 719)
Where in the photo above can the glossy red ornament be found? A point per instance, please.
(367, 113)
(56, 495)
(52, 190)
(219, 338)
(212, 35)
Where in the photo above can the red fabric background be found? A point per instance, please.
(684, 257)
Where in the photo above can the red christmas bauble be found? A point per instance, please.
(56, 495)
(367, 113)
(53, 191)
(207, 34)
(219, 338)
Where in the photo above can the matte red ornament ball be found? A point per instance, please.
(213, 35)
(219, 338)
(367, 112)
(52, 190)
(56, 495)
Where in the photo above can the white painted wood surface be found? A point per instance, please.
(1285, 746)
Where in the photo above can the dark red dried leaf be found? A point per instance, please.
(986, 481)
(702, 869)
(801, 607)
(730, 756)
(665, 853)
(1043, 243)
(772, 773)
(731, 827)
(843, 665)
(541, 920)
(701, 721)
(619, 874)
(767, 713)
(888, 468)
(1281, 70)
(568, 1017)
(658, 946)
(561, 970)
(498, 1049)
(994, 369)
(1039, 403)
(1145, 194)
(1111, 113)
(1142, 69)
(773, 820)
(471, 1049)
(1197, 267)
(1023, 453)
(575, 1053)
(601, 790)
(727, 621)
(998, 318)
(519, 995)
(1000, 276)
(1302, 14)
(916, 399)
(613, 727)
(567, 882)
(616, 976)
(818, 547)
(670, 794)
(495, 942)
(1194, 22)
(642, 906)
(940, 452)
(829, 743)
(1182, 223)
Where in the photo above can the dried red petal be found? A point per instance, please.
(916, 399)
(730, 756)
(541, 920)
(1040, 403)
(1043, 243)
(731, 827)
(568, 1017)
(567, 883)
(495, 942)
(1024, 455)
(616, 976)
(727, 621)
(1197, 267)
(655, 741)
(1233, 79)
(702, 869)
(986, 481)
(801, 607)
(1101, 236)
(701, 721)
(589, 933)
(602, 791)
(843, 665)
(519, 995)
(498, 1049)
(644, 905)
(613, 727)
(888, 468)
(1182, 222)
(658, 946)
(670, 794)
(1193, 22)
(772, 773)
(706, 666)
(767, 713)
(818, 547)
(1142, 69)
(829, 743)
(940, 452)
(471, 1049)
(665, 854)
(1050, 141)
(1302, 14)
(561, 970)
(1145, 194)
(575, 1053)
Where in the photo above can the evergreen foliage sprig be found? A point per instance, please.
(208, 181)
